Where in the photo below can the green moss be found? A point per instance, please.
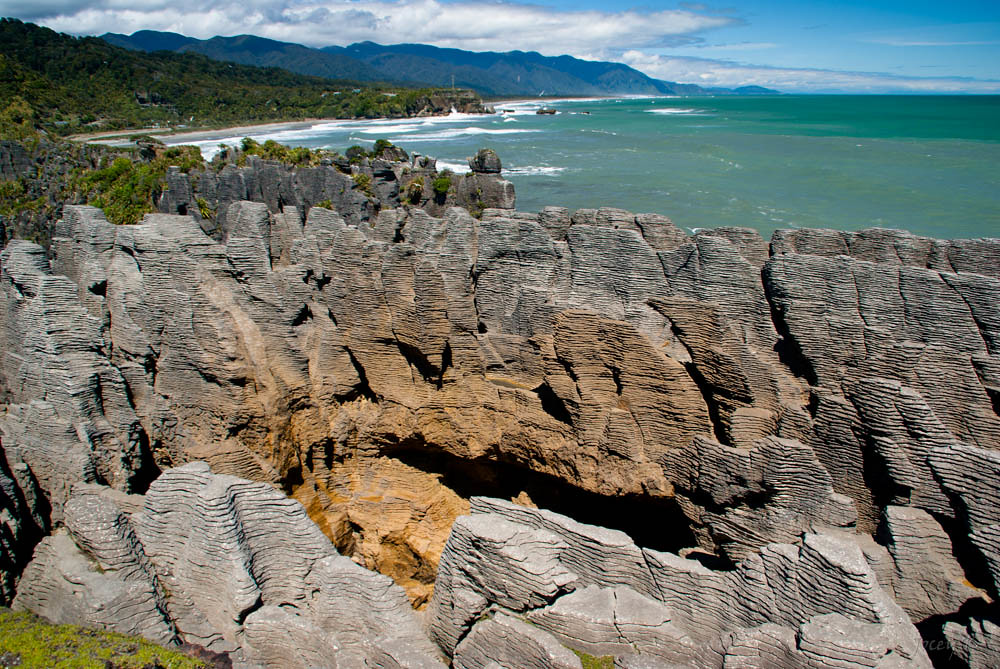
(325, 204)
(592, 662)
(33, 642)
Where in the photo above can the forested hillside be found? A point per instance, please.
(71, 85)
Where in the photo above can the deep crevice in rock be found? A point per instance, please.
(708, 393)
(994, 400)
(430, 372)
(553, 405)
(932, 631)
(656, 523)
(788, 349)
(616, 376)
(305, 314)
(362, 389)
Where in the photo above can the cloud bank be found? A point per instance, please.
(475, 25)
(709, 72)
(633, 36)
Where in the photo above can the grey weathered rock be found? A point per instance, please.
(508, 642)
(70, 417)
(22, 521)
(64, 585)
(381, 367)
(486, 161)
(926, 579)
(614, 621)
(976, 643)
(739, 498)
(811, 605)
(225, 563)
(972, 476)
(894, 247)
(882, 335)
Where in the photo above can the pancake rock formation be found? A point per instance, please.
(721, 451)
(229, 564)
(591, 589)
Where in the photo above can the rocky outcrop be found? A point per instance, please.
(358, 189)
(816, 604)
(776, 411)
(486, 161)
(41, 177)
(224, 563)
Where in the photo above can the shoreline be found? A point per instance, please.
(221, 133)
(122, 137)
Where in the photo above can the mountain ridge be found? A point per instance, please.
(490, 73)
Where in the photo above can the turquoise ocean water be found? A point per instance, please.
(928, 164)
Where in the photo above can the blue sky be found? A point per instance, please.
(816, 46)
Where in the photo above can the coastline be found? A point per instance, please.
(221, 133)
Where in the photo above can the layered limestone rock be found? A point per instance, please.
(70, 416)
(22, 521)
(737, 498)
(224, 563)
(592, 589)
(704, 392)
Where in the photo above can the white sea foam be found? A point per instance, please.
(457, 168)
(678, 110)
(465, 132)
(534, 170)
(394, 129)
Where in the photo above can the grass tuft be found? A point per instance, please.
(29, 641)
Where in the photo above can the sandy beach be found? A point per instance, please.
(222, 133)
(111, 136)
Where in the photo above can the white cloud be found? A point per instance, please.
(475, 25)
(708, 72)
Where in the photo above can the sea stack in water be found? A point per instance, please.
(719, 451)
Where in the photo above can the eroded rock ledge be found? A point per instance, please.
(774, 411)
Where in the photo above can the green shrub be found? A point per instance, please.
(205, 209)
(415, 190)
(125, 190)
(355, 154)
(364, 183)
(17, 120)
(442, 184)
